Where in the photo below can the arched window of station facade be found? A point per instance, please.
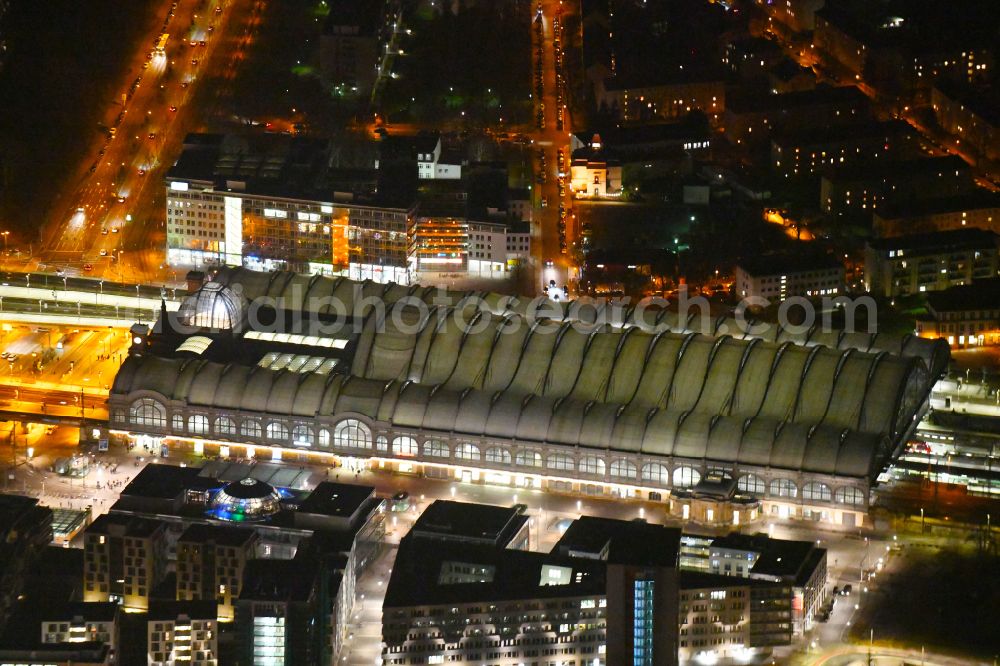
(148, 412)
(783, 488)
(817, 492)
(685, 476)
(656, 473)
(560, 462)
(277, 432)
(498, 455)
(592, 465)
(466, 451)
(752, 484)
(303, 436)
(352, 434)
(528, 459)
(225, 426)
(405, 446)
(434, 448)
(623, 469)
(849, 495)
(251, 428)
(198, 424)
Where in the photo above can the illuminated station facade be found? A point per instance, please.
(722, 428)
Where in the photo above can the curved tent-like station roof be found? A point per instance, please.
(832, 404)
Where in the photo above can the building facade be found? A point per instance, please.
(124, 558)
(774, 278)
(182, 632)
(906, 265)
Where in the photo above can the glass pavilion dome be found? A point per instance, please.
(245, 500)
(213, 306)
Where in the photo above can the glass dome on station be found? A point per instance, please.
(245, 500)
(213, 306)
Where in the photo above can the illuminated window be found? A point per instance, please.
(277, 431)
(685, 477)
(560, 461)
(784, 488)
(849, 495)
(751, 483)
(436, 449)
(225, 426)
(655, 473)
(303, 436)
(528, 459)
(817, 491)
(498, 455)
(198, 424)
(405, 446)
(352, 434)
(467, 452)
(149, 412)
(250, 428)
(592, 465)
(624, 469)
(324, 438)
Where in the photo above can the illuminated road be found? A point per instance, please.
(549, 141)
(115, 205)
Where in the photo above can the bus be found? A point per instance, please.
(161, 43)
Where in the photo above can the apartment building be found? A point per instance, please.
(124, 558)
(796, 154)
(966, 316)
(935, 261)
(182, 633)
(95, 622)
(776, 277)
(979, 210)
(210, 563)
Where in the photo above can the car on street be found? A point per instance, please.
(88, 267)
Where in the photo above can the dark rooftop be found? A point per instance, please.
(337, 499)
(171, 610)
(132, 526)
(983, 294)
(160, 481)
(419, 575)
(460, 521)
(222, 535)
(785, 263)
(897, 170)
(621, 541)
(797, 99)
(834, 133)
(93, 611)
(939, 241)
(777, 558)
(277, 580)
(975, 200)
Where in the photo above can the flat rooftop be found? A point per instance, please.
(980, 295)
(342, 500)
(939, 241)
(788, 263)
(425, 573)
(223, 535)
(621, 541)
(461, 521)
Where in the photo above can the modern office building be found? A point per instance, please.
(606, 594)
(124, 559)
(279, 618)
(271, 202)
(906, 265)
(800, 565)
(966, 316)
(730, 620)
(776, 277)
(479, 524)
(649, 403)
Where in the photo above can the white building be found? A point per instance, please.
(781, 276)
(429, 164)
(182, 632)
(593, 173)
